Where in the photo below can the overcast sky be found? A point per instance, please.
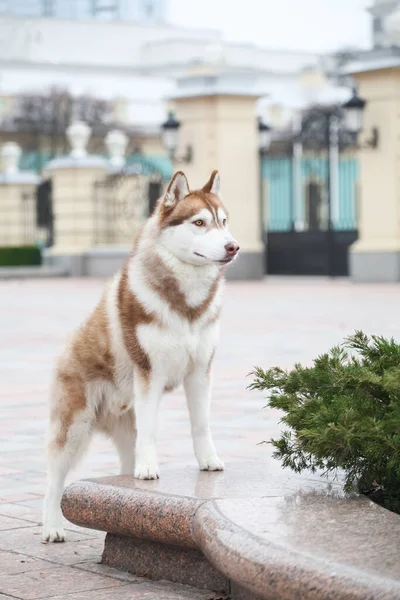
(320, 25)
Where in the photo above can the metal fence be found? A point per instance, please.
(111, 212)
(308, 209)
(19, 219)
(309, 213)
(122, 202)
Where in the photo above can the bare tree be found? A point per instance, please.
(45, 117)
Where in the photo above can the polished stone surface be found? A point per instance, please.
(309, 546)
(351, 531)
(163, 510)
(245, 479)
(275, 534)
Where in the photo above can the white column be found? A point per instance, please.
(297, 176)
(334, 169)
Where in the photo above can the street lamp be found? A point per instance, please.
(264, 136)
(353, 112)
(264, 143)
(170, 138)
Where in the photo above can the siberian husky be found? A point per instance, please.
(155, 327)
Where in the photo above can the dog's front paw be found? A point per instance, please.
(53, 534)
(143, 471)
(211, 463)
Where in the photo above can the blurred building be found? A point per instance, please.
(107, 10)
(380, 11)
(385, 51)
(126, 52)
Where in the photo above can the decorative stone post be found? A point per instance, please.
(78, 134)
(218, 117)
(10, 155)
(17, 199)
(74, 207)
(376, 254)
(116, 143)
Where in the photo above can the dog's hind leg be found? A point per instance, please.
(70, 434)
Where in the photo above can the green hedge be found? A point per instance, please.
(19, 256)
(343, 413)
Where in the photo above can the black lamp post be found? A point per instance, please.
(264, 136)
(353, 111)
(264, 143)
(170, 138)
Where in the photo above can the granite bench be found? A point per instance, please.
(253, 531)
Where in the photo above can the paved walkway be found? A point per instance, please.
(277, 322)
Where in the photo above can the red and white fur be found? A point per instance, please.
(155, 327)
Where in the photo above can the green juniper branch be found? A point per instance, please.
(342, 413)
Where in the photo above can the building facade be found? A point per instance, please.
(48, 44)
(44, 43)
(108, 10)
(380, 11)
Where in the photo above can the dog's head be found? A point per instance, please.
(194, 224)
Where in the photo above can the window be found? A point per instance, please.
(149, 10)
(105, 10)
(377, 25)
(47, 8)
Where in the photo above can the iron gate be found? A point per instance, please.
(310, 200)
(123, 201)
(26, 217)
(297, 235)
(44, 210)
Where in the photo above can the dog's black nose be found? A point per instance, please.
(232, 248)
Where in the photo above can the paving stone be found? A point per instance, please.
(7, 470)
(145, 591)
(12, 523)
(92, 533)
(22, 512)
(78, 548)
(35, 504)
(12, 563)
(53, 579)
(71, 553)
(28, 541)
(20, 497)
(105, 570)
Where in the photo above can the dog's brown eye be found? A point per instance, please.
(199, 223)
(224, 222)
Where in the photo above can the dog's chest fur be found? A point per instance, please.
(163, 324)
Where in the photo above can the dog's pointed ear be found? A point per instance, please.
(177, 189)
(213, 184)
